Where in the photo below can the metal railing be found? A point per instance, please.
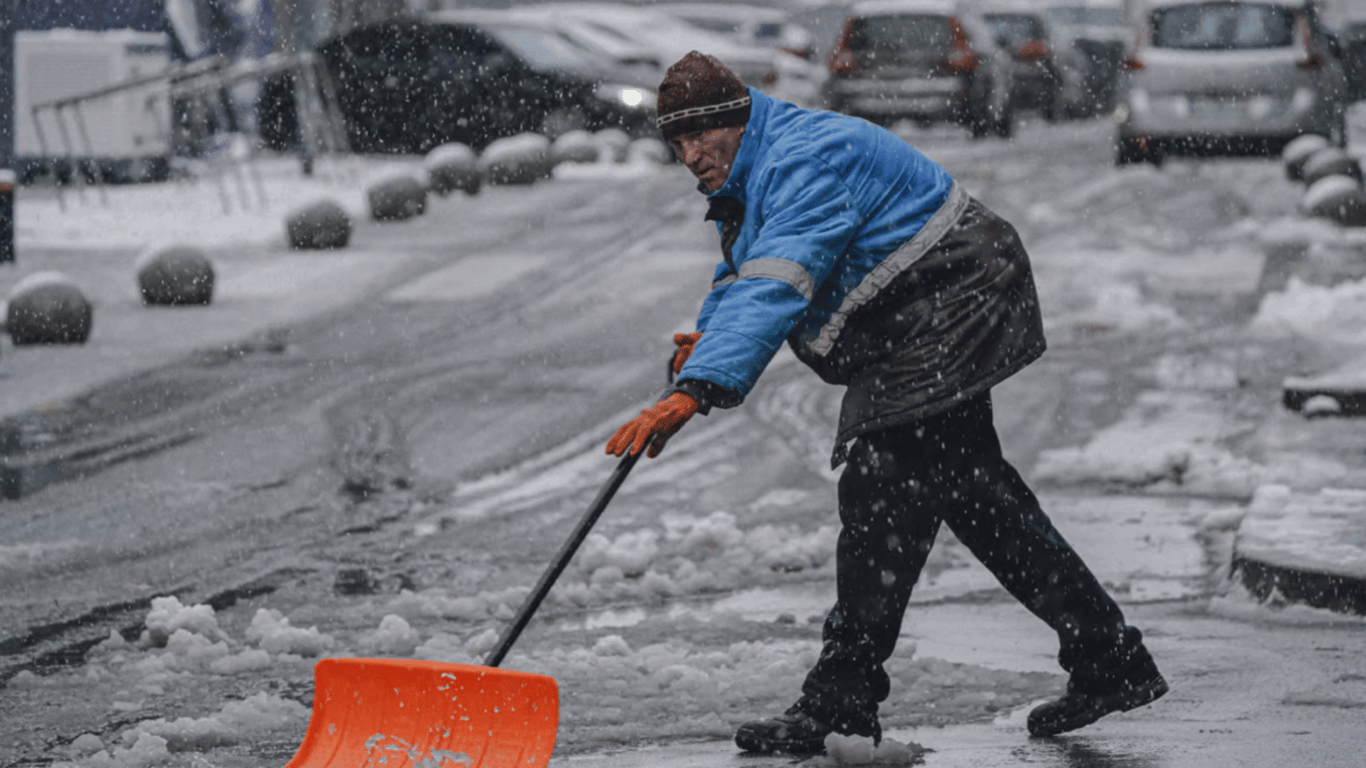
(196, 90)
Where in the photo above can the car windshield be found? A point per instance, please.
(542, 49)
(900, 32)
(1223, 26)
(1015, 28)
(1079, 15)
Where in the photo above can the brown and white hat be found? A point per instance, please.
(698, 93)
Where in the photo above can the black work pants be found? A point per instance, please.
(899, 485)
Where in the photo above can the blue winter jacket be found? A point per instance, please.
(864, 254)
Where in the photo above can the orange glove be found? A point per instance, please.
(662, 420)
(685, 342)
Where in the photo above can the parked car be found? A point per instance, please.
(756, 25)
(1091, 39)
(1229, 77)
(407, 86)
(634, 59)
(1022, 29)
(670, 37)
(926, 60)
(1352, 38)
(768, 29)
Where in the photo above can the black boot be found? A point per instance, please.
(796, 732)
(1088, 701)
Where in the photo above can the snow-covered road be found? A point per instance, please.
(695, 605)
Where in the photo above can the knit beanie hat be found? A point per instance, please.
(699, 93)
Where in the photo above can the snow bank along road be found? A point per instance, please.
(388, 474)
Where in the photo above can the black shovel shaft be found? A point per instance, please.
(566, 553)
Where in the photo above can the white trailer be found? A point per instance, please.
(72, 103)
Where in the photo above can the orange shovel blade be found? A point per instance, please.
(404, 713)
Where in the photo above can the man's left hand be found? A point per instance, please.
(662, 420)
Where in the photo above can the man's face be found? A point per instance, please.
(709, 154)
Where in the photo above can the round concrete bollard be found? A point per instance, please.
(398, 198)
(1298, 150)
(1329, 161)
(521, 159)
(650, 151)
(1337, 198)
(450, 167)
(47, 308)
(615, 143)
(575, 147)
(317, 226)
(175, 275)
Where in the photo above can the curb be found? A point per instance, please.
(1349, 402)
(1304, 548)
(1340, 594)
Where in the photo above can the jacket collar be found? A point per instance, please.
(750, 148)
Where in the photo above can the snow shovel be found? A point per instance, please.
(406, 713)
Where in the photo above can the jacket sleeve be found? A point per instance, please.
(805, 219)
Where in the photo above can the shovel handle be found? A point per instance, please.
(557, 566)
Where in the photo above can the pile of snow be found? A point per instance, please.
(272, 632)
(169, 616)
(852, 750)
(1170, 442)
(687, 554)
(1334, 314)
(181, 645)
(1121, 306)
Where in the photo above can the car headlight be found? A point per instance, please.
(630, 96)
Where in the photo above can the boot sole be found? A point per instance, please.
(1144, 694)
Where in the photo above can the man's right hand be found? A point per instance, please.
(660, 422)
(685, 342)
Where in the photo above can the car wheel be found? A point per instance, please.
(980, 125)
(1004, 123)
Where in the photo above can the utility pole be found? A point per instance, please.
(8, 179)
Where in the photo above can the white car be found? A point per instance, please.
(766, 28)
(1230, 77)
(670, 37)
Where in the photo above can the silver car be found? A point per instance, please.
(925, 60)
(1228, 77)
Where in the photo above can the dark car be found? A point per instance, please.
(407, 86)
(1023, 32)
(924, 60)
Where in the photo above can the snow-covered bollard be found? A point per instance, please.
(48, 308)
(397, 198)
(1298, 150)
(615, 144)
(320, 225)
(1337, 198)
(650, 151)
(1341, 392)
(175, 275)
(575, 147)
(1329, 161)
(521, 159)
(452, 167)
